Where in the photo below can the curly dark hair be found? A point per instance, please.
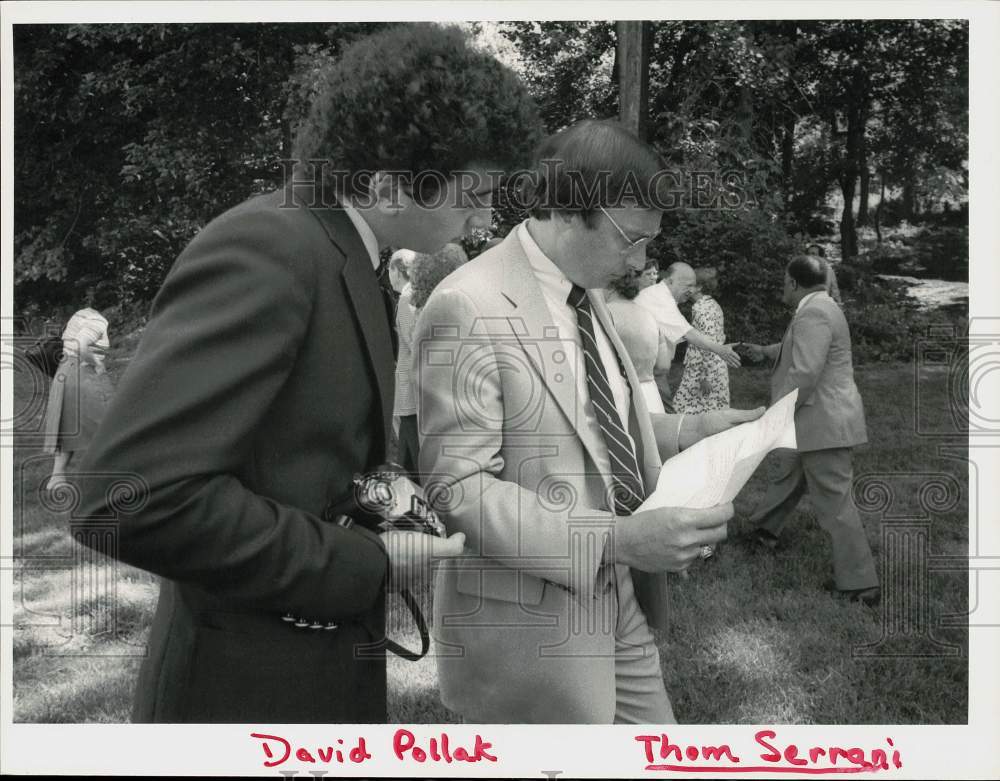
(627, 285)
(411, 99)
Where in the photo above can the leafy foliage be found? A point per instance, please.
(772, 102)
(129, 138)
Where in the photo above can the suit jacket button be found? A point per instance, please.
(331, 625)
(301, 623)
(315, 625)
(288, 617)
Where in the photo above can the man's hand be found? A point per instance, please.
(412, 554)
(696, 427)
(755, 351)
(668, 539)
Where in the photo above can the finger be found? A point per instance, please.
(744, 415)
(712, 517)
(713, 536)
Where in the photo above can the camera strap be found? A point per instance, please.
(418, 618)
(347, 512)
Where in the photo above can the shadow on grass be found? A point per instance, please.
(753, 637)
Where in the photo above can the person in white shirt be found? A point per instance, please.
(404, 411)
(79, 394)
(661, 302)
(638, 331)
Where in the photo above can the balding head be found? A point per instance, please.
(680, 280)
(804, 274)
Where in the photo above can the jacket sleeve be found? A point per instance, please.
(221, 341)
(811, 338)
(462, 423)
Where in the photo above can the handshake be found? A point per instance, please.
(752, 353)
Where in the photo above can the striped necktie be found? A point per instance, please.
(626, 481)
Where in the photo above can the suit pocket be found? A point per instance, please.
(507, 585)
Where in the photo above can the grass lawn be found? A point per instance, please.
(754, 639)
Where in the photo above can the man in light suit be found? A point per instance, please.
(263, 384)
(537, 443)
(815, 357)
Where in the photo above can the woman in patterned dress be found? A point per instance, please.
(705, 383)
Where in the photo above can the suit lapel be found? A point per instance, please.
(367, 301)
(531, 323)
(369, 308)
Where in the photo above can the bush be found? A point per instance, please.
(885, 322)
(750, 251)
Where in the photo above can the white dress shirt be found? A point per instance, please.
(555, 289)
(367, 237)
(659, 302)
(406, 318)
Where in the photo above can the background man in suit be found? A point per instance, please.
(815, 357)
(661, 301)
(263, 384)
(536, 436)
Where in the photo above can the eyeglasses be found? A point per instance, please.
(633, 244)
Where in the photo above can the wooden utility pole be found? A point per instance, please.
(635, 40)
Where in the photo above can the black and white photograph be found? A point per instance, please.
(400, 389)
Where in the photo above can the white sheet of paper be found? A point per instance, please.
(713, 471)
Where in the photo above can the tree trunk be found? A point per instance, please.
(878, 209)
(909, 194)
(863, 195)
(863, 165)
(848, 234)
(632, 55)
(856, 109)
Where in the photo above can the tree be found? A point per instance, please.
(129, 138)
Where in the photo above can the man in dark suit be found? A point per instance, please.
(263, 384)
(815, 357)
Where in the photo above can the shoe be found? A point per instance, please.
(764, 539)
(871, 596)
